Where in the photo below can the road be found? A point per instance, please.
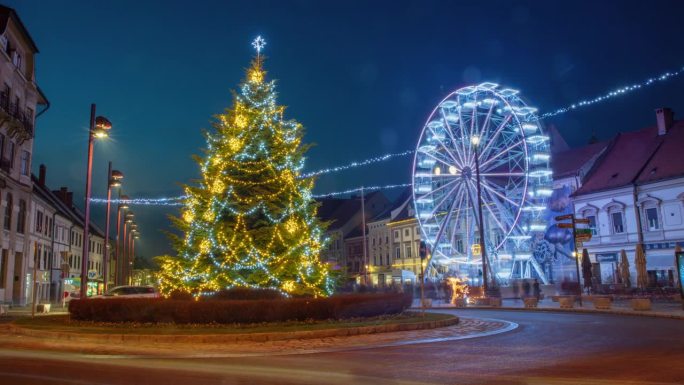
(546, 348)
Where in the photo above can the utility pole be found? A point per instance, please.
(363, 229)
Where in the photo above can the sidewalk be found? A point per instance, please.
(621, 307)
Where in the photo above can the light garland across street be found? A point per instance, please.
(178, 201)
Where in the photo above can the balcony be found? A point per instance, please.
(20, 121)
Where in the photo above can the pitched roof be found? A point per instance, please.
(638, 157)
(6, 14)
(569, 162)
(668, 160)
(339, 211)
(73, 213)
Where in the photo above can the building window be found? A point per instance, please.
(417, 230)
(592, 224)
(618, 224)
(21, 218)
(407, 232)
(11, 154)
(397, 252)
(2, 147)
(396, 235)
(8, 212)
(408, 251)
(25, 158)
(3, 268)
(388, 258)
(16, 59)
(39, 222)
(652, 222)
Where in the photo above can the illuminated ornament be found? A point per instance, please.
(256, 75)
(240, 121)
(483, 137)
(288, 176)
(216, 160)
(188, 216)
(208, 216)
(259, 43)
(218, 187)
(288, 286)
(205, 246)
(291, 225)
(234, 144)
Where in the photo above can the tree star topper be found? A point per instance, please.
(259, 44)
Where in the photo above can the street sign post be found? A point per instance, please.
(565, 225)
(576, 238)
(582, 220)
(564, 217)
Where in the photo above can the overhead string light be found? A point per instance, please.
(618, 92)
(259, 45)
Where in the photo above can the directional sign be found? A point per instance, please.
(565, 225)
(584, 232)
(582, 220)
(564, 217)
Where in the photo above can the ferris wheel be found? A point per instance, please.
(489, 131)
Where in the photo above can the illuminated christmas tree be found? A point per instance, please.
(251, 220)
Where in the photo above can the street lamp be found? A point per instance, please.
(114, 178)
(131, 251)
(475, 142)
(99, 128)
(119, 265)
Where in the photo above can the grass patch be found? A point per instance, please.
(62, 323)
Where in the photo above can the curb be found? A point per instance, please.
(231, 338)
(645, 313)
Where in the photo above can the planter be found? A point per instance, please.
(427, 302)
(460, 302)
(495, 301)
(641, 304)
(566, 301)
(531, 301)
(602, 303)
(43, 308)
(480, 301)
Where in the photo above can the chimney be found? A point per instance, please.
(41, 175)
(664, 117)
(62, 193)
(70, 199)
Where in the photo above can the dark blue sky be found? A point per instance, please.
(360, 75)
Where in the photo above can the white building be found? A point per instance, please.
(19, 98)
(635, 194)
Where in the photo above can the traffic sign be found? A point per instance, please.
(476, 249)
(564, 225)
(582, 220)
(564, 217)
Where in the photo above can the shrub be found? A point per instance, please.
(237, 311)
(244, 293)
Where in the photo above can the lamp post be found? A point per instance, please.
(128, 220)
(475, 142)
(119, 264)
(114, 178)
(134, 235)
(99, 128)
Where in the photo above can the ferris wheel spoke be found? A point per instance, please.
(445, 147)
(438, 189)
(505, 214)
(460, 126)
(444, 224)
(471, 152)
(443, 200)
(500, 154)
(492, 140)
(499, 208)
(436, 158)
(461, 161)
(488, 187)
(512, 163)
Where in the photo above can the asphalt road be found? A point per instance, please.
(547, 348)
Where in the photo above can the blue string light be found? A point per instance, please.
(178, 201)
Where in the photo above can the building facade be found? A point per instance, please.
(20, 99)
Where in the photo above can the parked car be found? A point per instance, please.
(130, 292)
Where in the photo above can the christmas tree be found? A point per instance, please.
(251, 219)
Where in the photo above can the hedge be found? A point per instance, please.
(159, 310)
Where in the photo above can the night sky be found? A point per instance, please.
(361, 76)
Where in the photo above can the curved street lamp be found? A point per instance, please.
(119, 266)
(99, 128)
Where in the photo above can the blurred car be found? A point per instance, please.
(130, 292)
